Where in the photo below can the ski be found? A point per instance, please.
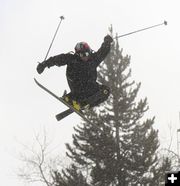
(89, 100)
(64, 114)
(80, 113)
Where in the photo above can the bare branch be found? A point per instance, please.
(38, 166)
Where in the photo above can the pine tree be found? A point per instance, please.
(70, 177)
(125, 153)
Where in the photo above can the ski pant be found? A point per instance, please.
(92, 94)
(99, 97)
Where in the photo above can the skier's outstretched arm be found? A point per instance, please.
(59, 60)
(103, 51)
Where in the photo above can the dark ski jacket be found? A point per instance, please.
(81, 75)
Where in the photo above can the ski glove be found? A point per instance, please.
(108, 39)
(40, 68)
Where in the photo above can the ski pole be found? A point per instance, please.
(61, 18)
(164, 23)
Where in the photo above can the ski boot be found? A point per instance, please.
(76, 104)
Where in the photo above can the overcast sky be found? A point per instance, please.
(26, 30)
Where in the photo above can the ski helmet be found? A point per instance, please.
(82, 48)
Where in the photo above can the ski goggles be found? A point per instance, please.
(84, 54)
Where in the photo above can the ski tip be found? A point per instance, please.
(36, 81)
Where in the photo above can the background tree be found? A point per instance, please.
(38, 162)
(125, 153)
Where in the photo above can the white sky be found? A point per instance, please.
(26, 30)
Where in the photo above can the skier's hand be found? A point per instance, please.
(108, 39)
(40, 68)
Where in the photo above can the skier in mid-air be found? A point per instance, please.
(81, 74)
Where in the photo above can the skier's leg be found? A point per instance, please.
(100, 96)
(86, 96)
(76, 94)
